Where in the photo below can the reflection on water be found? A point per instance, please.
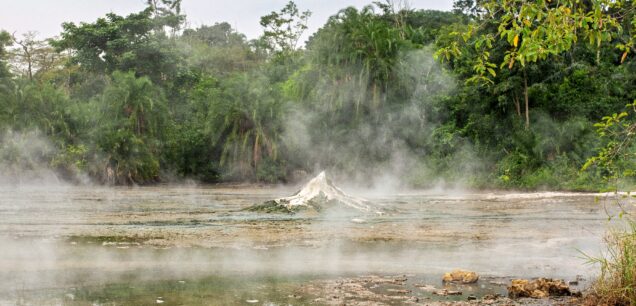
(194, 245)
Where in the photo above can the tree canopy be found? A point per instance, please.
(499, 94)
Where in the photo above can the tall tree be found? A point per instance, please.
(121, 43)
(283, 29)
(33, 56)
(132, 115)
(167, 14)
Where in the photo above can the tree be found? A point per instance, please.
(366, 90)
(5, 41)
(283, 29)
(617, 158)
(219, 34)
(219, 50)
(132, 115)
(167, 14)
(114, 43)
(366, 46)
(537, 30)
(427, 24)
(33, 56)
(246, 123)
(28, 106)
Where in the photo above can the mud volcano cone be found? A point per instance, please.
(318, 194)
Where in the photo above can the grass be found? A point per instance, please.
(616, 284)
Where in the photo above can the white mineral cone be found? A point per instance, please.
(322, 186)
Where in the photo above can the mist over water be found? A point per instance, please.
(64, 243)
(61, 240)
(163, 108)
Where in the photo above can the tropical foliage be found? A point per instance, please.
(494, 94)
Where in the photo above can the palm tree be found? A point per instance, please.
(132, 112)
(246, 123)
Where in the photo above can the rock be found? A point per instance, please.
(491, 297)
(539, 288)
(445, 292)
(318, 194)
(472, 297)
(460, 276)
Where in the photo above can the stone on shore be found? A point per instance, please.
(539, 288)
(460, 276)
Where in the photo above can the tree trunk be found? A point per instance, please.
(525, 94)
(30, 67)
(256, 152)
(517, 105)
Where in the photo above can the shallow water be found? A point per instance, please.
(195, 245)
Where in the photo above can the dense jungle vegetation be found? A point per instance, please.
(495, 94)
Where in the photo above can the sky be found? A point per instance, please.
(46, 16)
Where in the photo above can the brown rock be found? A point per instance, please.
(539, 288)
(460, 276)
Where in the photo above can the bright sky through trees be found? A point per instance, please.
(46, 17)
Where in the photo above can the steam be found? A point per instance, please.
(384, 153)
(432, 235)
(25, 159)
(30, 159)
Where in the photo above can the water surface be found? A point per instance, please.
(196, 245)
